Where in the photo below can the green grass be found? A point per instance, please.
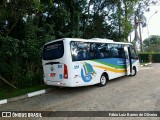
(10, 92)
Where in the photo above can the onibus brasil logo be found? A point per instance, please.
(87, 72)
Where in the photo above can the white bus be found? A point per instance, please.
(72, 62)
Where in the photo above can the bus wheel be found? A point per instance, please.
(103, 80)
(134, 71)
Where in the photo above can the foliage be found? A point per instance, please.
(21, 63)
(156, 57)
(108, 19)
(149, 57)
(144, 57)
(152, 43)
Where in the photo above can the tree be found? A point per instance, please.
(109, 19)
(12, 14)
(152, 43)
(140, 20)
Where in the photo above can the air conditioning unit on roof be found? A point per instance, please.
(102, 39)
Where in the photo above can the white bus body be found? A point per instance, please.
(72, 62)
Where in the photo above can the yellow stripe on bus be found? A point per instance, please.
(111, 69)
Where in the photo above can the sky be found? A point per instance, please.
(153, 23)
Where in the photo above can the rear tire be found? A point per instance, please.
(134, 71)
(103, 80)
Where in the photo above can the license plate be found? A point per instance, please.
(52, 74)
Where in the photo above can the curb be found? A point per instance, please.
(146, 64)
(32, 94)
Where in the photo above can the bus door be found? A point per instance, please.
(128, 60)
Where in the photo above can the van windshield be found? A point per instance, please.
(53, 50)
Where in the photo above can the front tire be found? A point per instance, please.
(103, 80)
(134, 71)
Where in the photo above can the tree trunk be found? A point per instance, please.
(7, 82)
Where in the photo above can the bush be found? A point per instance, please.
(9, 52)
(149, 57)
(144, 57)
(20, 63)
(156, 57)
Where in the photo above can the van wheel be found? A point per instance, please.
(134, 71)
(103, 80)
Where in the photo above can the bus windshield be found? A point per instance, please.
(53, 50)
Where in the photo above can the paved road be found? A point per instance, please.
(139, 93)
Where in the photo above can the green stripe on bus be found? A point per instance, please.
(110, 65)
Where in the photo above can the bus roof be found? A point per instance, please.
(98, 40)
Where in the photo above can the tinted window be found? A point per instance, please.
(53, 51)
(133, 53)
(87, 51)
(80, 51)
(116, 51)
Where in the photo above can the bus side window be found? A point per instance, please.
(116, 51)
(113, 53)
(133, 53)
(76, 51)
(92, 54)
(121, 53)
(99, 52)
(106, 54)
(92, 50)
(106, 51)
(86, 54)
(80, 55)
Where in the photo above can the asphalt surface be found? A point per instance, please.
(138, 93)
